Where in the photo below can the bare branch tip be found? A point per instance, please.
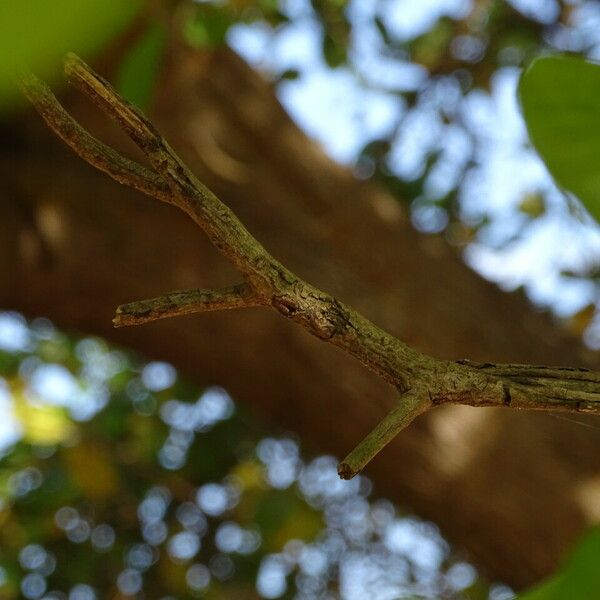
(71, 62)
(25, 78)
(410, 405)
(31, 87)
(345, 471)
(118, 318)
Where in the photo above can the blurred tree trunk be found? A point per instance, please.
(513, 489)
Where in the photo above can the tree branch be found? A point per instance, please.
(546, 388)
(93, 151)
(185, 302)
(222, 227)
(422, 381)
(320, 313)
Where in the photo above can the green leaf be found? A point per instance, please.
(137, 75)
(290, 75)
(333, 52)
(533, 205)
(36, 33)
(209, 26)
(383, 31)
(579, 579)
(559, 97)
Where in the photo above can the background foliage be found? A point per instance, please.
(98, 489)
(118, 478)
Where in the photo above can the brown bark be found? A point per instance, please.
(512, 488)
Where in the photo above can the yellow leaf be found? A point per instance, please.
(580, 321)
(42, 424)
(90, 468)
(4, 514)
(303, 524)
(249, 475)
(173, 575)
(533, 205)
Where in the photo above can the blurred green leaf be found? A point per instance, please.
(37, 33)
(533, 205)
(430, 48)
(282, 516)
(383, 30)
(137, 75)
(270, 11)
(580, 577)
(333, 52)
(210, 25)
(559, 97)
(290, 74)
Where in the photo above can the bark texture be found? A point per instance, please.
(512, 488)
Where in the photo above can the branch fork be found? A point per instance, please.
(422, 381)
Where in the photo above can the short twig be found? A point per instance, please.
(410, 406)
(186, 302)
